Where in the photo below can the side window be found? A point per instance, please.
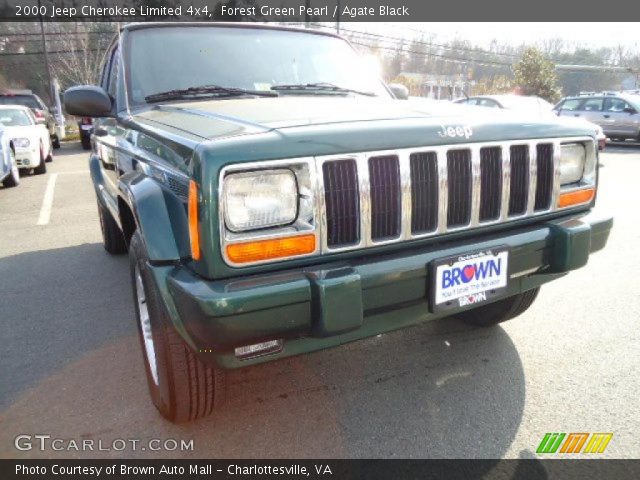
(592, 105)
(615, 105)
(40, 103)
(105, 74)
(113, 74)
(485, 102)
(571, 104)
(106, 69)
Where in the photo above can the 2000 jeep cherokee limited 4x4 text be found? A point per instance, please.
(275, 199)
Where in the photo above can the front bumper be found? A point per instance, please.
(334, 303)
(27, 158)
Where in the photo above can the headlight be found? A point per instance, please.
(21, 142)
(572, 162)
(260, 199)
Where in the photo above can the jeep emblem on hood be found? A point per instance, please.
(453, 132)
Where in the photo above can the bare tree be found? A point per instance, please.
(552, 47)
(81, 53)
(80, 61)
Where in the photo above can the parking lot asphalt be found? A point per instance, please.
(72, 367)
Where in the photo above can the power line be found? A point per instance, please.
(50, 40)
(55, 52)
(421, 42)
(441, 56)
(400, 43)
(47, 34)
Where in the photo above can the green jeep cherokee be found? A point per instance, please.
(275, 199)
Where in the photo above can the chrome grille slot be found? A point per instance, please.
(519, 192)
(544, 185)
(384, 181)
(491, 183)
(424, 192)
(460, 187)
(342, 202)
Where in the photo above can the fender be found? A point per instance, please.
(104, 198)
(159, 215)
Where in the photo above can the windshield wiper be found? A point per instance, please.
(321, 87)
(206, 91)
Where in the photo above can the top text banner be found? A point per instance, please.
(318, 10)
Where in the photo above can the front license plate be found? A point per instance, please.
(468, 279)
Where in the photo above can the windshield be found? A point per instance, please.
(170, 58)
(24, 100)
(14, 118)
(634, 100)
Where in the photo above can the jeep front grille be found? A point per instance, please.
(384, 197)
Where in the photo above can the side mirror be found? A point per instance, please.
(399, 91)
(100, 131)
(88, 101)
(630, 110)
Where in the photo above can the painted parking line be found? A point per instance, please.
(47, 201)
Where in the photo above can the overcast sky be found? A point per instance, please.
(481, 34)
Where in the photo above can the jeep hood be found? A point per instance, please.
(343, 124)
(215, 118)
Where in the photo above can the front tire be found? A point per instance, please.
(13, 179)
(112, 237)
(49, 157)
(182, 388)
(85, 140)
(499, 311)
(42, 167)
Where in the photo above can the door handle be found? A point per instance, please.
(576, 114)
(606, 116)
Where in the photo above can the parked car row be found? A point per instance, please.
(41, 112)
(25, 144)
(535, 106)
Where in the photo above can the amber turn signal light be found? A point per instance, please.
(194, 231)
(576, 197)
(260, 250)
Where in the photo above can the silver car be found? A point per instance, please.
(508, 101)
(618, 115)
(9, 176)
(529, 104)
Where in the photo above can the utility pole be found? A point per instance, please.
(46, 56)
(338, 19)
